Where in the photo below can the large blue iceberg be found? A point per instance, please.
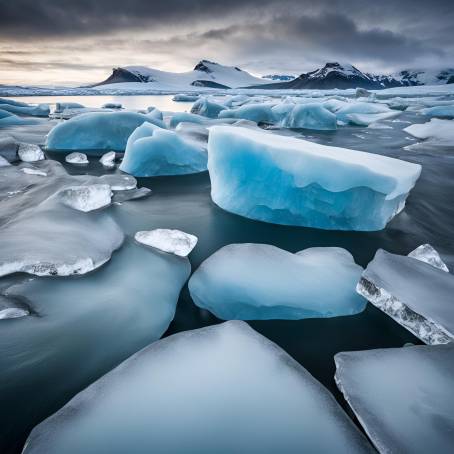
(97, 131)
(291, 181)
(261, 282)
(153, 151)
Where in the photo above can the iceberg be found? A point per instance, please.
(180, 117)
(363, 108)
(156, 114)
(439, 112)
(86, 198)
(207, 108)
(401, 396)
(29, 152)
(310, 116)
(168, 240)
(291, 181)
(219, 389)
(108, 160)
(369, 119)
(62, 106)
(185, 98)
(153, 151)
(258, 112)
(76, 158)
(261, 282)
(435, 132)
(112, 105)
(416, 291)
(41, 110)
(96, 131)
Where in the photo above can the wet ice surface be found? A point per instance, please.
(62, 363)
(176, 396)
(402, 397)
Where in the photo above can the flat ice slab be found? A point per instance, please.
(220, 389)
(260, 281)
(403, 397)
(415, 290)
(168, 240)
(285, 180)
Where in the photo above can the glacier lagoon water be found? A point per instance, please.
(184, 203)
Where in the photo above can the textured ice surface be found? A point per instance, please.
(168, 240)
(61, 106)
(96, 131)
(310, 116)
(436, 132)
(260, 281)
(368, 119)
(416, 293)
(185, 98)
(207, 108)
(33, 171)
(439, 112)
(343, 114)
(86, 198)
(286, 180)
(220, 389)
(258, 112)
(29, 152)
(108, 160)
(426, 253)
(76, 158)
(153, 151)
(10, 119)
(403, 397)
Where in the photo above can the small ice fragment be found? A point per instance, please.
(87, 198)
(108, 159)
(76, 158)
(29, 152)
(168, 240)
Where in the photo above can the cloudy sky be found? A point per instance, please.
(79, 41)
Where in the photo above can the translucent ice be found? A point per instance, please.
(96, 131)
(368, 119)
(86, 198)
(310, 116)
(402, 396)
(260, 281)
(207, 108)
(29, 152)
(221, 389)
(108, 160)
(258, 112)
(285, 180)
(416, 293)
(168, 240)
(76, 158)
(153, 151)
(439, 112)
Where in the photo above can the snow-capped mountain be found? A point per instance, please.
(205, 74)
(426, 77)
(337, 75)
(279, 77)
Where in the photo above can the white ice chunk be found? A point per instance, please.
(403, 397)
(368, 119)
(417, 294)
(220, 389)
(29, 152)
(260, 281)
(76, 158)
(168, 240)
(286, 180)
(118, 182)
(86, 198)
(436, 132)
(108, 160)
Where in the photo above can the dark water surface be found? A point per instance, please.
(184, 203)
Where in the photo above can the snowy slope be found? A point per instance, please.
(205, 74)
(426, 77)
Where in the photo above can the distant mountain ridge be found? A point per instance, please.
(279, 77)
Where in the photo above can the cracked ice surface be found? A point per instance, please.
(177, 396)
(417, 294)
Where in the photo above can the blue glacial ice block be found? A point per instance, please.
(262, 282)
(285, 180)
(359, 107)
(97, 131)
(310, 116)
(207, 108)
(41, 110)
(258, 112)
(439, 112)
(153, 151)
(9, 119)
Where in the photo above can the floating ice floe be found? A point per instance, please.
(258, 112)
(401, 396)
(439, 112)
(415, 290)
(76, 158)
(368, 119)
(112, 105)
(61, 106)
(207, 108)
(153, 151)
(310, 116)
(130, 194)
(97, 131)
(185, 98)
(260, 282)
(41, 110)
(10, 308)
(108, 160)
(29, 152)
(222, 389)
(86, 198)
(168, 240)
(361, 108)
(436, 132)
(286, 180)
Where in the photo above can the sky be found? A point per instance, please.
(73, 42)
